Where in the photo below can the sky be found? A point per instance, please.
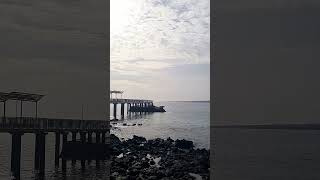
(267, 62)
(160, 49)
(56, 48)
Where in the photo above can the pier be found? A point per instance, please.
(126, 102)
(40, 127)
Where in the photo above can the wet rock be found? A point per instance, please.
(157, 159)
(184, 144)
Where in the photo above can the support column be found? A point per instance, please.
(122, 110)
(74, 139)
(97, 141)
(128, 108)
(103, 137)
(83, 140)
(37, 151)
(42, 154)
(89, 141)
(4, 110)
(115, 110)
(57, 149)
(64, 141)
(16, 154)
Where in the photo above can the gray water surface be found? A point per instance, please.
(183, 120)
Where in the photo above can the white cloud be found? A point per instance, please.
(149, 36)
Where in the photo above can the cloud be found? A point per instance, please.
(148, 38)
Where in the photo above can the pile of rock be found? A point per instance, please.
(138, 158)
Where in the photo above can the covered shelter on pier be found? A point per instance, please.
(20, 96)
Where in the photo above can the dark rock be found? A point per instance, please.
(178, 158)
(184, 144)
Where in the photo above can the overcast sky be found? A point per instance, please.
(56, 48)
(160, 49)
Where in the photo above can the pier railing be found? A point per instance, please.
(51, 125)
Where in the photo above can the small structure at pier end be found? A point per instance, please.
(133, 105)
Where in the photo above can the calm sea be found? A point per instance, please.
(249, 154)
(183, 120)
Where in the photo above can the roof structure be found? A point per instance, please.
(3, 96)
(20, 96)
(116, 92)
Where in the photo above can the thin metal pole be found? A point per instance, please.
(4, 109)
(82, 112)
(16, 109)
(21, 109)
(37, 110)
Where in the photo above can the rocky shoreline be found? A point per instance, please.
(138, 158)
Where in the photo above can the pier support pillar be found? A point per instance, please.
(89, 137)
(103, 137)
(83, 140)
(98, 141)
(64, 142)
(89, 141)
(57, 149)
(115, 110)
(16, 154)
(128, 108)
(74, 139)
(122, 110)
(42, 154)
(98, 137)
(37, 151)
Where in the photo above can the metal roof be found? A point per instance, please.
(116, 92)
(20, 96)
(3, 96)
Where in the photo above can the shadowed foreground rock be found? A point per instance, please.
(138, 158)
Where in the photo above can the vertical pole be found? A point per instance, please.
(89, 141)
(16, 154)
(21, 109)
(115, 110)
(16, 109)
(103, 138)
(83, 140)
(57, 149)
(4, 110)
(122, 110)
(74, 139)
(97, 141)
(37, 151)
(42, 154)
(37, 110)
(82, 112)
(64, 142)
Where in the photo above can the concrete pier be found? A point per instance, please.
(42, 153)
(74, 139)
(57, 149)
(16, 154)
(64, 141)
(83, 140)
(40, 127)
(129, 103)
